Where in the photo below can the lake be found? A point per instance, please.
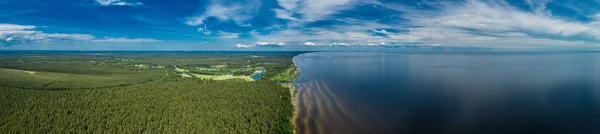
(256, 76)
(438, 93)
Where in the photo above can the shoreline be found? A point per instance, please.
(293, 96)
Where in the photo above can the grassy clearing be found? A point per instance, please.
(222, 77)
(187, 73)
(286, 76)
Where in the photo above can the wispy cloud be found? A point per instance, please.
(244, 46)
(118, 3)
(321, 36)
(284, 14)
(12, 34)
(310, 10)
(13, 27)
(228, 35)
(312, 23)
(261, 44)
(125, 40)
(470, 23)
(273, 44)
(596, 17)
(239, 12)
(480, 23)
(301, 14)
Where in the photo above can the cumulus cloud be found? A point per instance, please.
(125, 40)
(310, 44)
(118, 3)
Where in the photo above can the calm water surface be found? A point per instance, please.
(479, 93)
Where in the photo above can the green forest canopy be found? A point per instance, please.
(81, 92)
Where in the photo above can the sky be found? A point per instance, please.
(299, 24)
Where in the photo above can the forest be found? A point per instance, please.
(141, 92)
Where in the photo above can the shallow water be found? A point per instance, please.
(347, 92)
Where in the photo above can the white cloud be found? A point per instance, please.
(313, 10)
(118, 3)
(284, 14)
(55, 36)
(228, 35)
(310, 44)
(13, 27)
(469, 24)
(340, 44)
(125, 40)
(596, 17)
(204, 30)
(503, 18)
(270, 44)
(254, 33)
(492, 23)
(261, 44)
(353, 30)
(9, 39)
(12, 34)
(381, 31)
(289, 4)
(239, 12)
(322, 35)
(310, 10)
(244, 46)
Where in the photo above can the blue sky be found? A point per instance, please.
(298, 24)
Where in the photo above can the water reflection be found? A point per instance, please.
(448, 93)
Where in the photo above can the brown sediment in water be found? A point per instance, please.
(320, 110)
(294, 103)
(317, 109)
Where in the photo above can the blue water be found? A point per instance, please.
(257, 76)
(464, 93)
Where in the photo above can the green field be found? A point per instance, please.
(222, 77)
(143, 92)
